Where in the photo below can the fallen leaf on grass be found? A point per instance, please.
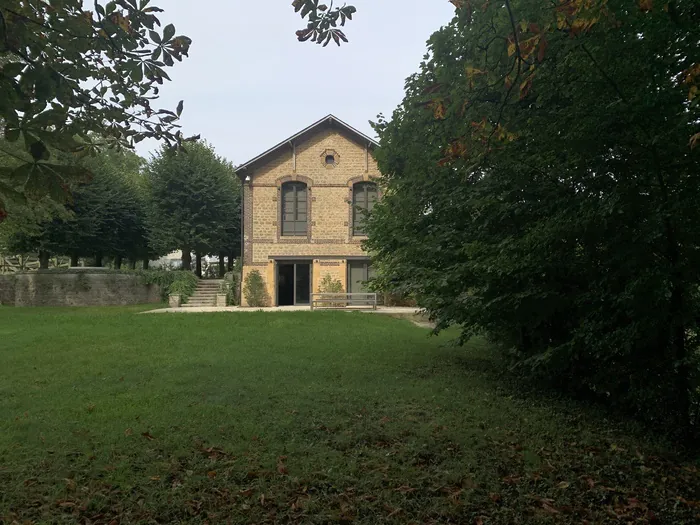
(155, 478)
(67, 504)
(589, 481)
(546, 504)
(128, 432)
(70, 484)
(405, 489)
(281, 467)
(694, 504)
(148, 436)
(246, 492)
(563, 485)
(211, 474)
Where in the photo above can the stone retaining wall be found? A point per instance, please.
(75, 289)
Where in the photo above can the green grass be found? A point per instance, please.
(111, 417)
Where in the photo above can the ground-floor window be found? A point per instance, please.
(359, 272)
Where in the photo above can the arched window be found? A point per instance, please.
(364, 195)
(294, 208)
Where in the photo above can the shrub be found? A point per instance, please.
(230, 288)
(184, 285)
(330, 285)
(254, 290)
(182, 282)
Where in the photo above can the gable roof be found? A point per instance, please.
(325, 121)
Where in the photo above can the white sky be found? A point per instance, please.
(248, 83)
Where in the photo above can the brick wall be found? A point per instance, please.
(330, 206)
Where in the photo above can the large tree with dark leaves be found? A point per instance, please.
(79, 76)
(75, 75)
(542, 186)
(195, 203)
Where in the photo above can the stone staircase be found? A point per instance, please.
(205, 295)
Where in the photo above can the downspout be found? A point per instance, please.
(240, 284)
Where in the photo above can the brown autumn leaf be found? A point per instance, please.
(148, 436)
(245, 493)
(694, 140)
(525, 87)
(70, 483)
(67, 504)
(282, 468)
(542, 50)
(563, 485)
(211, 474)
(155, 478)
(646, 5)
(128, 432)
(405, 489)
(589, 481)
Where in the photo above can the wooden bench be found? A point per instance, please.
(343, 300)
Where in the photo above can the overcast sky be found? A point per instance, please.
(248, 83)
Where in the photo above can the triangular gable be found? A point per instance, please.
(326, 121)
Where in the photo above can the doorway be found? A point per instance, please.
(293, 283)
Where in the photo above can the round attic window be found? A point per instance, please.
(330, 160)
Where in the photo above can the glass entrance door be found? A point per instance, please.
(293, 283)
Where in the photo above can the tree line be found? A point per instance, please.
(130, 211)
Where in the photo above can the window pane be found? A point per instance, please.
(294, 208)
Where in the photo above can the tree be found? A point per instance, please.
(73, 79)
(541, 188)
(195, 202)
(78, 75)
(105, 217)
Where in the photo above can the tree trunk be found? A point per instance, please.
(74, 261)
(229, 264)
(44, 258)
(222, 265)
(186, 258)
(117, 262)
(132, 264)
(145, 263)
(198, 262)
(98, 260)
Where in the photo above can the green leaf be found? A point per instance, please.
(12, 133)
(137, 74)
(155, 37)
(39, 151)
(168, 32)
(180, 107)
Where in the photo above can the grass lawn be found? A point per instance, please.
(111, 417)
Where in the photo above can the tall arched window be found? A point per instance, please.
(294, 208)
(364, 195)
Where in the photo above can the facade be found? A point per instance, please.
(301, 211)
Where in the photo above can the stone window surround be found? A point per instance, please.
(357, 239)
(327, 153)
(294, 239)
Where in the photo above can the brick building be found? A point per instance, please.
(301, 218)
